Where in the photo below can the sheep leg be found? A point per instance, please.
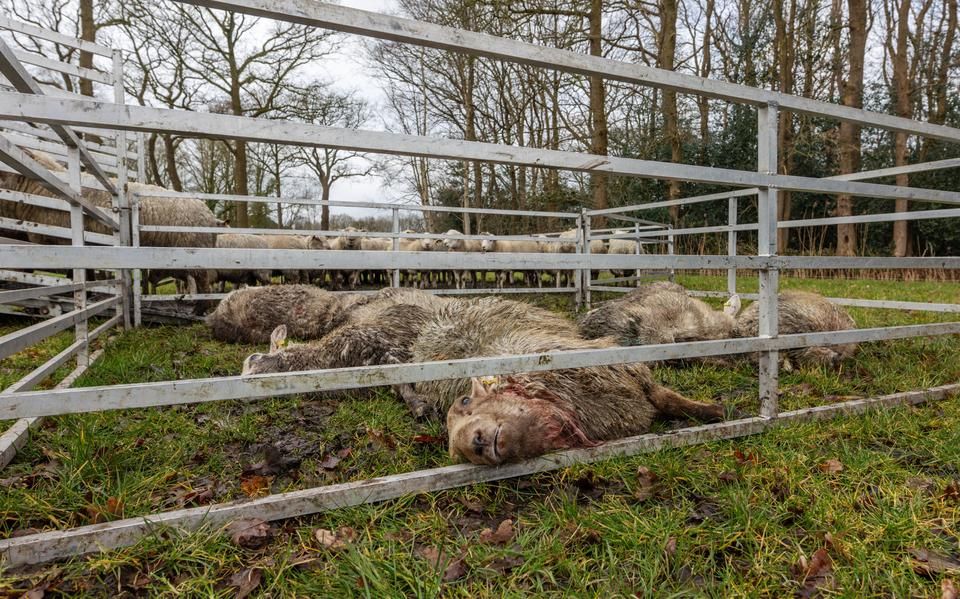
(419, 407)
(671, 403)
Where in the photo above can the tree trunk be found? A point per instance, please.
(784, 39)
(152, 160)
(470, 133)
(170, 153)
(849, 135)
(325, 209)
(598, 112)
(88, 32)
(666, 52)
(904, 108)
(703, 103)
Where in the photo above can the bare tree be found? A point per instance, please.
(316, 105)
(849, 136)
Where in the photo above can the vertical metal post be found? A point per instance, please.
(636, 273)
(79, 274)
(767, 247)
(396, 246)
(671, 250)
(141, 158)
(137, 273)
(577, 275)
(587, 273)
(120, 205)
(732, 245)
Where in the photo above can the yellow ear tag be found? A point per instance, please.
(282, 344)
(489, 381)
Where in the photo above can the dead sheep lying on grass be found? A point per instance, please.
(526, 415)
(250, 315)
(378, 332)
(803, 312)
(659, 312)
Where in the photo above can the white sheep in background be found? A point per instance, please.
(454, 242)
(511, 246)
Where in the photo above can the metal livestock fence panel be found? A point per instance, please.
(62, 114)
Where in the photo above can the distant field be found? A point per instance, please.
(736, 518)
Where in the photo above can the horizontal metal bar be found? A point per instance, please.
(221, 126)
(31, 278)
(49, 403)
(186, 297)
(26, 337)
(12, 224)
(383, 26)
(872, 218)
(62, 67)
(34, 200)
(45, 546)
(851, 301)
(221, 197)
(688, 231)
(859, 176)
(14, 295)
(54, 36)
(58, 150)
(47, 134)
(347, 234)
(59, 257)
(738, 193)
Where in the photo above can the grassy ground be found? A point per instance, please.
(741, 518)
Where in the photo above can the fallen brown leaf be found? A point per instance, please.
(815, 576)
(453, 569)
(930, 563)
(335, 540)
(952, 492)
(671, 546)
(245, 582)
(646, 484)
(831, 466)
(114, 506)
(501, 536)
(250, 533)
(948, 590)
(745, 458)
(330, 462)
(381, 438)
(505, 564)
(255, 486)
(728, 476)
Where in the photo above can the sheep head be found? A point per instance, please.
(487, 245)
(317, 242)
(732, 306)
(269, 362)
(510, 420)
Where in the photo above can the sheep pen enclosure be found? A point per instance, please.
(113, 239)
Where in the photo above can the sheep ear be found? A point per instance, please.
(732, 307)
(479, 386)
(278, 338)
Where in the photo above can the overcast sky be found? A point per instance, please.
(349, 70)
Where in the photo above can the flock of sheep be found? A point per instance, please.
(190, 212)
(502, 419)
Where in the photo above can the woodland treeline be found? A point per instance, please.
(895, 56)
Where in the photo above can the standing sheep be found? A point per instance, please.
(659, 312)
(803, 312)
(291, 242)
(454, 242)
(526, 415)
(349, 242)
(250, 315)
(623, 247)
(505, 277)
(241, 277)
